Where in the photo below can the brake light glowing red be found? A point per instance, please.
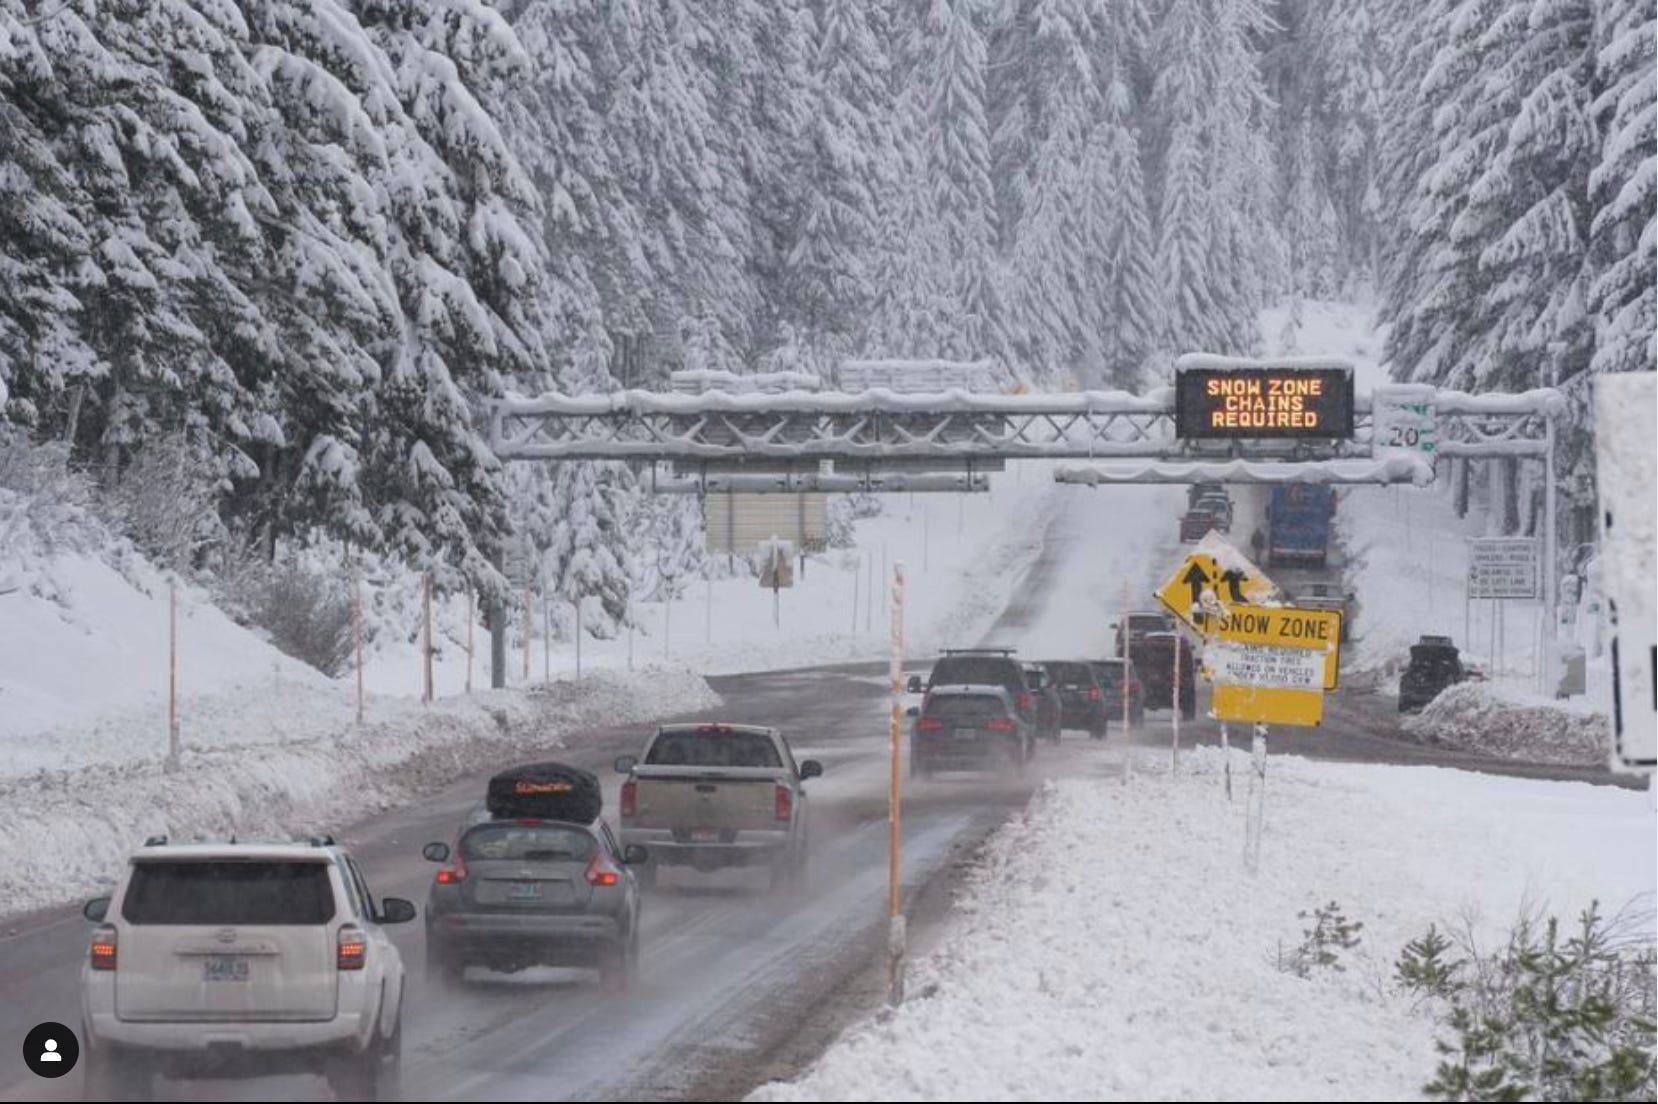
(1094, 693)
(103, 949)
(353, 948)
(784, 802)
(929, 724)
(630, 798)
(601, 871)
(455, 874)
(999, 724)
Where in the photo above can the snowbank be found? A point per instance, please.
(1112, 946)
(1508, 720)
(64, 833)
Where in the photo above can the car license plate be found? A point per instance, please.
(705, 835)
(967, 734)
(224, 968)
(524, 891)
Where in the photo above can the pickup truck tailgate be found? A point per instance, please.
(690, 799)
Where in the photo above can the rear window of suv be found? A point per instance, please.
(526, 843)
(966, 707)
(1072, 676)
(228, 892)
(977, 671)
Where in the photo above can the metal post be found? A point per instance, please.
(547, 641)
(172, 677)
(426, 639)
(1257, 798)
(708, 612)
(896, 935)
(857, 569)
(495, 611)
(578, 639)
(630, 634)
(357, 635)
(1174, 748)
(667, 617)
(471, 618)
(529, 633)
(1551, 614)
(1226, 758)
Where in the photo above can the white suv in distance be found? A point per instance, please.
(242, 960)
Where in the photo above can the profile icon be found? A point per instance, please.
(50, 1050)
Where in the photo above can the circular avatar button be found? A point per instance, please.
(51, 1050)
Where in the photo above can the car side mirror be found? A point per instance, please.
(625, 763)
(436, 852)
(395, 910)
(914, 685)
(634, 855)
(96, 909)
(811, 768)
(913, 711)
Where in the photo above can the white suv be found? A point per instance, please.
(239, 960)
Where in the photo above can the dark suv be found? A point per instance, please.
(1435, 664)
(968, 727)
(1155, 657)
(1110, 674)
(982, 667)
(1050, 706)
(1082, 699)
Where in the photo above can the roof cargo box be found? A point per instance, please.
(549, 791)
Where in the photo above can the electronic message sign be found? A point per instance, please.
(1264, 401)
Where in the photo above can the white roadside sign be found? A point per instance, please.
(1403, 419)
(1264, 666)
(1503, 567)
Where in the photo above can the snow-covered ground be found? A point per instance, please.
(1113, 945)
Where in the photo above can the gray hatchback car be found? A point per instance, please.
(528, 891)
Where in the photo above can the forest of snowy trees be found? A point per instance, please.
(295, 242)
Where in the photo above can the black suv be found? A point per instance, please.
(982, 667)
(1155, 656)
(1110, 674)
(1082, 699)
(1434, 664)
(968, 727)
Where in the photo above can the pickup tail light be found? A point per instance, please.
(103, 948)
(630, 798)
(784, 802)
(1000, 724)
(353, 948)
(454, 874)
(1094, 693)
(601, 871)
(929, 724)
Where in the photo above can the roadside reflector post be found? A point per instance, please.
(172, 677)
(895, 733)
(1257, 799)
(471, 616)
(426, 637)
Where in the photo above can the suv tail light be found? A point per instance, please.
(999, 724)
(929, 724)
(455, 874)
(601, 871)
(1025, 701)
(630, 798)
(103, 948)
(1095, 694)
(353, 948)
(784, 802)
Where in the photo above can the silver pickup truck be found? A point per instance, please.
(711, 796)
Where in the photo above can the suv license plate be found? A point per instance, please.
(525, 891)
(224, 968)
(967, 734)
(705, 835)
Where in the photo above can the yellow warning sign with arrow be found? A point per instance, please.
(1214, 577)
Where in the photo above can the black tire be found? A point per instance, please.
(1097, 732)
(620, 966)
(112, 1076)
(442, 968)
(357, 1076)
(390, 1085)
